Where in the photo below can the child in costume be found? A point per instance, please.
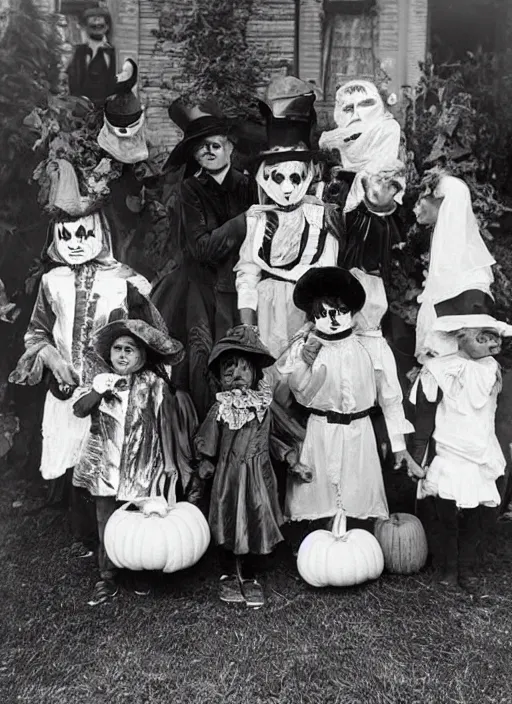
(460, 265)
(234, 444)
(332, 375)
(455, 440)
(76, 297)
(133, 438)
(290, 231)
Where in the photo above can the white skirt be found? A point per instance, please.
(347, 473)
(457, 479)
(278, 317)
(63, 436)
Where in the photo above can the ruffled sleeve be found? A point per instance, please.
(39, 335)
(248, 272)
(390, 398)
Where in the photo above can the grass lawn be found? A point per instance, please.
(398, 640)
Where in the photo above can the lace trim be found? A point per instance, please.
(240, 406)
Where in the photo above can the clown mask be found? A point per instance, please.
(331, 320)
(287, 182)
(79, 241)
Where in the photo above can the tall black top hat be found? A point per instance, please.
(197, 122)
(289, 115)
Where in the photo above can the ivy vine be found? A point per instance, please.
(216, 59)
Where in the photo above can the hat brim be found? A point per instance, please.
(162, 348)
(328, 282)
(183, 151)
(452, 323)
(271, 157)
(265, 359)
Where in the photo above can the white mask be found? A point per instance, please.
(358, 106)
(79, 241)
(333, 321)
(287, 182)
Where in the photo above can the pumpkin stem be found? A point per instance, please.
(339, 525)
(171, 492)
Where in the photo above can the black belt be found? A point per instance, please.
(346, 418)
(268, 275)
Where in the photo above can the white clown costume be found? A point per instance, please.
(290, 232)
(76, 297)
(342, 391)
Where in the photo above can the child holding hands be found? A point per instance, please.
(455, 397)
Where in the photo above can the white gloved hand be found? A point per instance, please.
(103, 383)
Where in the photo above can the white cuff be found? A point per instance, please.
(247, 298)
(397, 443)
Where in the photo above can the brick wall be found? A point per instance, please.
(402, 36)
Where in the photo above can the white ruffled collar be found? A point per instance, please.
(239, 406)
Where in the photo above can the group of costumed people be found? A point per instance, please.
(256, 370)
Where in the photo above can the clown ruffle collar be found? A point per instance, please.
(239, 406)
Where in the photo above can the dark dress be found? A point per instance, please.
(198, 299)
(244, 506)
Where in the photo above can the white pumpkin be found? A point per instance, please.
(160, 535)
(339, 558)
(403, 542)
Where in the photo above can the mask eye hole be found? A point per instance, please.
(295, 179)
(277, 177)
(64, 234)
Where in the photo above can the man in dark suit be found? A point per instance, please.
(92, 70)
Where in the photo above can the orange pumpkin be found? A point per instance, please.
(403, 542)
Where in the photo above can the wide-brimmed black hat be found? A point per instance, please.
(160, 346)
(197, 123)
(242, 338)
(289, 117)
(328, 282)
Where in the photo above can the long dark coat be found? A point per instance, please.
(198, 298)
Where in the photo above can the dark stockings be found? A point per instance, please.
(458, 540)
(249, 565)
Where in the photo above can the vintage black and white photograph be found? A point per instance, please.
(256, 369)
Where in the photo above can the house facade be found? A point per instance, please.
(324, 41)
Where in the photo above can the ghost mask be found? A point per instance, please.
(358, 106)
(365, 129)
(332, 321)
(79, 241)
(287, 182)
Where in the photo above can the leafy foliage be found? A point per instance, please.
(217, 60)
(28, 70)
(67, 128)
(451, 125)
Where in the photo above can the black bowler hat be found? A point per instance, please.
(328, 282)
(197, 123)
